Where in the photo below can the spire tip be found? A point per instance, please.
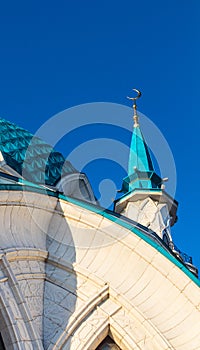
(135, 116)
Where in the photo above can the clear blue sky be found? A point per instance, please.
(55, 55)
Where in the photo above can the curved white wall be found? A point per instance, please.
(70, 276)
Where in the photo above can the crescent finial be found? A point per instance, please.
(135, 116)
(136, 97)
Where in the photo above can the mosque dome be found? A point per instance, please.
(31, 157)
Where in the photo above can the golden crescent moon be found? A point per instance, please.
(136, 97)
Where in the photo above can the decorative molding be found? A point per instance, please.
(80, 316)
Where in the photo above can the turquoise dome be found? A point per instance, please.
(31, 157)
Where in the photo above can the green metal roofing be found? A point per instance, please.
(141, 173)
(139, 156)
(31, 157)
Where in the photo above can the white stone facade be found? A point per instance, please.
(70, 276)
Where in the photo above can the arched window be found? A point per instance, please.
(108, 344)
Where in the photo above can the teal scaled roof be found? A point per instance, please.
(31, 157)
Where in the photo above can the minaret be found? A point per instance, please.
(144, 199)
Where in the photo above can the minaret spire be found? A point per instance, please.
(139, 157)
(135, 115)
(144, 199)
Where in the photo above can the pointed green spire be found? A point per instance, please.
(139, 157)
(141, 173)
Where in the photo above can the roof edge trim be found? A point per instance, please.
(101, 211)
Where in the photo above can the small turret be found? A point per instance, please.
(144, 199)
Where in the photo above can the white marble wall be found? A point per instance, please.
(69, 277)
(149, 213)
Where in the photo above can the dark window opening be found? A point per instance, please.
(108, 344)
(2, 347)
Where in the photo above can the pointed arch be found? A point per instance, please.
(16, 324)
(108, 342)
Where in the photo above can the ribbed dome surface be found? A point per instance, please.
(31, 157)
